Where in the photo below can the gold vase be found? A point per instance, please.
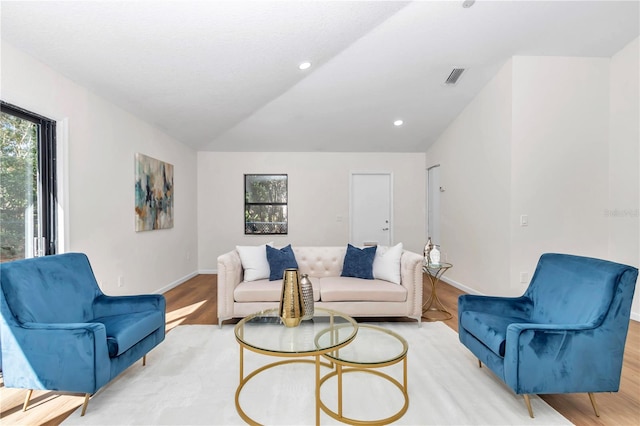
(291, 303)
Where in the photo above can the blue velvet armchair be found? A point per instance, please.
(566, 334)
(59, 332)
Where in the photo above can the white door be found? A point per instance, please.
(370, 209)
(433, 204)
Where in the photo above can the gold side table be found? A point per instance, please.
(373, 348)
(432, 310)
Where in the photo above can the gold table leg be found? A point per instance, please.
(338, 415)
(317, 390)
(339, 368)
(405, 375)
(241, 364)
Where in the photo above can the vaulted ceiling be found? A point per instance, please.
(224, 76)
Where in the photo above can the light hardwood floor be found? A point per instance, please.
(194, 302)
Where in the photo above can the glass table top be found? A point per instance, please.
(432, 266)
(264, 331)
(372, 346)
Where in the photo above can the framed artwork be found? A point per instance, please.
(265, 204)
(154, 193)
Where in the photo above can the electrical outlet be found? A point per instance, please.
(120, 281)
(524, 220)
(524, 277)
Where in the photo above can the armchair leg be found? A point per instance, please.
(84, 405)
(26, 400)
(479, 364)
(592, 397)
(144, 360)
(528, 402)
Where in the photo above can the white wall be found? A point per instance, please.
(559, 150)
(102, 141)
(624, 160)
(565, 131)
(318, 194)
(474, 154)
(554, 138)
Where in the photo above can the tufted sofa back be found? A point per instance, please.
(320, 261)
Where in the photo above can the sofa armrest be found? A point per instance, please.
(51, 352)
(230, 274)
(411, 279)
(555, 357)
(106, 306)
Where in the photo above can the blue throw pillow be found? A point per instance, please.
(358, 263)
(279, 260)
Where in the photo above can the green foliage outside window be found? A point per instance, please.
(18, 183)
(265, 209)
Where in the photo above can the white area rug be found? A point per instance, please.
(191, 379)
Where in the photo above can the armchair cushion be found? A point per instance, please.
(490, 329)
(124, 331)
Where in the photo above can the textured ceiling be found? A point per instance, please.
(223, 76)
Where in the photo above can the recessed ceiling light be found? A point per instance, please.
(398, 123)
(304, 65)
(468, 3)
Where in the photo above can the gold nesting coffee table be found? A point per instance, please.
(373, 348)
(331, 339)
(264, 333)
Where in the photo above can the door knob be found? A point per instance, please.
(385, 229)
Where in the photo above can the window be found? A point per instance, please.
(27, 184)
(265, 204)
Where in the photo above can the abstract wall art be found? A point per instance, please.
(154, 193)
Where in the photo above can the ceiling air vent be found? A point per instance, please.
(454, 76)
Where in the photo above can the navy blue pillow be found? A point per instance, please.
(358, 263)
(279, 260)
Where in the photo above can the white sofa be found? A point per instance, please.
(353, 296)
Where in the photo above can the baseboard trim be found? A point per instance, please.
(177, 282)
(207, 271)
(460, 286)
